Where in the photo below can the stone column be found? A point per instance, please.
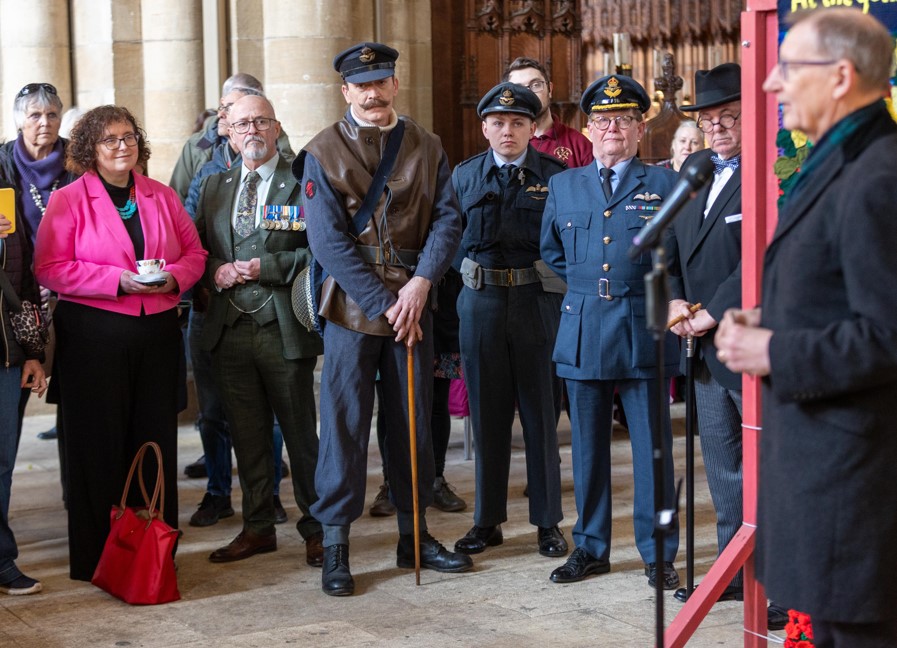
(247, 37)
(172, 71)
(34, 48)
(405, 25)
(300, 79)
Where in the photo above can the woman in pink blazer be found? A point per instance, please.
(118, 335)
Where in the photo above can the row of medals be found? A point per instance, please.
(282, 217)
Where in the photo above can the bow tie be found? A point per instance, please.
(719, 164)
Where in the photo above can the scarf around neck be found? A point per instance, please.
(41, 174)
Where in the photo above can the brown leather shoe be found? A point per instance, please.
(246, 544)
(314, 550)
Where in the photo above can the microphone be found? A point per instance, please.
(695, 177)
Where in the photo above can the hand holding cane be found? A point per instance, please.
(693, 309)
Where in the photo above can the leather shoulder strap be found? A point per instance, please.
(381, 175)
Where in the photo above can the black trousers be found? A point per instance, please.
(834, 634)
(119, 380)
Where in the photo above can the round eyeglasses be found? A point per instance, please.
(603, 123)
(725, 121)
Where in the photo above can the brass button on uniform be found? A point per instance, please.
(607, 240)
(567, 307)
(607, 213)
(605, 267)
(569, 224)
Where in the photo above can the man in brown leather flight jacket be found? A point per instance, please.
(374, 302)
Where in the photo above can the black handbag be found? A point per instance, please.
(30, 324)
(306, 292)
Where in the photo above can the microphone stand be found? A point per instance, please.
(683, 593)
(657, 299)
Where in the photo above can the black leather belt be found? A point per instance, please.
(608, 289)
(510, 277)
(379, 256)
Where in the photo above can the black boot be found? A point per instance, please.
(432, 555)
(336, 579)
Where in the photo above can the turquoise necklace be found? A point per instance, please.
(130, 207)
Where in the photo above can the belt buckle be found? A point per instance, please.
(510, 277)
(606, 283)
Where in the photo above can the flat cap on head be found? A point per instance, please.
(366, 62)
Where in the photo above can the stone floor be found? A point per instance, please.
(275, 599)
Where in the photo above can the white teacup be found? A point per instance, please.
(150, 266)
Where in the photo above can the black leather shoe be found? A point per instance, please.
(314, 550)
(196, 470)
(280, 515)
(478, 538)
(579, 565)
(552, 543)
(445, 499)
(335, 578)
(382, 506)
(246, 544)
(432, 555)
(211, 509)
(731, 593)
(670, 575)
(776, 617)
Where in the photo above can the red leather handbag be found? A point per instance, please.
(137, 565)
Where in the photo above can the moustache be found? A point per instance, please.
(254, 138)
(374, 103)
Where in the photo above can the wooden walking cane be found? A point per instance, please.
(412, 432)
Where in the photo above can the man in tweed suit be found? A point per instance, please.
(262, 358)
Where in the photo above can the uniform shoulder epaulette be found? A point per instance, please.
(476, 157)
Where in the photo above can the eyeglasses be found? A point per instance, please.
(113, 143)
(535, 86)
(784, 65)
(725, 121)
(603, 123)
(34, 87)
(260, 123)
(225, 107)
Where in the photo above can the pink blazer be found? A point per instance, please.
(82, 245)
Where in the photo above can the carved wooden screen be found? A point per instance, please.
(473, 43)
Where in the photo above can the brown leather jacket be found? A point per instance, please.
(418, 217)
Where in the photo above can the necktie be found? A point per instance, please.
(606, 175)
(246, 206)
(719, 164)
(506, 173)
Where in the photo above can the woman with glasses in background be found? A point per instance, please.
(119, 340)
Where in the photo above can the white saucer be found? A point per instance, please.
(152, 277)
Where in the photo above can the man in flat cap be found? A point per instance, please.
(603, 345)
(509, 310)
(375, 302)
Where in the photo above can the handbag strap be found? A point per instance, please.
(8, 293)
(378, 181)
(159, 489)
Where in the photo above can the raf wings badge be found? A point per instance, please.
(647, 196)
(536, 191)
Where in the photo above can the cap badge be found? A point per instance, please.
(613, 88)
(507, 98)
(367, 55)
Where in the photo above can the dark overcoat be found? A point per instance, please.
(828, 456)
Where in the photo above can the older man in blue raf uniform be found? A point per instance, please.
(509, 319)
(375, 301)
(591, 215)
